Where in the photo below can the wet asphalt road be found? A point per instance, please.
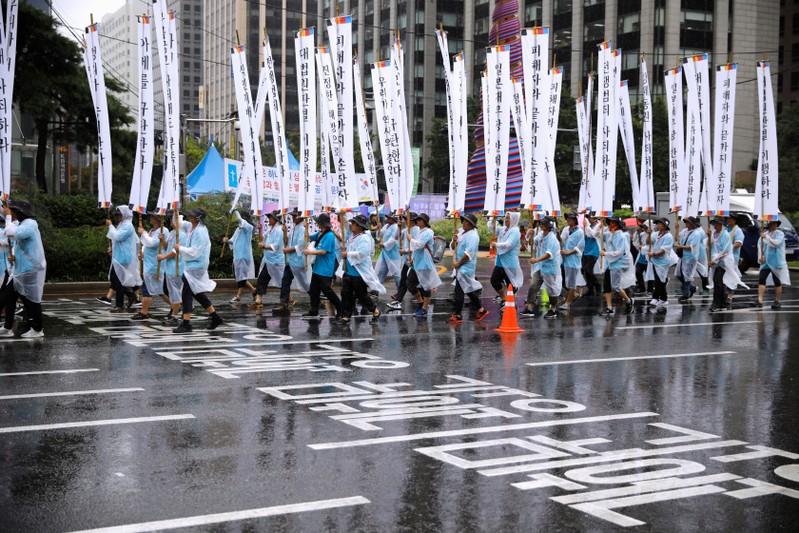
(676, 420)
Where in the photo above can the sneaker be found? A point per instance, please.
(776, 305)
(663, 303)
(654, 301)
(309, 315)
(455, 320)
(714, 310)
(758, 305)
(527, 312)
(256, 306)
(172, 322)
(394, 304)
(281, 308)
(216, 321)
(135, 305)
(32, 334)
(502, 305)
(497, 299)
(629, 306)
(375, 318)
(104, 300)
(6, 332)
(480, 316)
(118, 310)
(19, 310)
(607, 312)
(564, 307)
(235, 300)
(139, 316)
(184, 327)
(421, 312)
(552, 313)
(684, 300)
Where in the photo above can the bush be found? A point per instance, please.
(73, 211)
(77, 254)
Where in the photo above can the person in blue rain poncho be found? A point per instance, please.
(691, 243)
(150, 242)
(273, 263)
(593, 229)
(124, 272)
(464, 263)
(771, 249)
(549, 261)
(390, 261)
(196, 251)
(296, 274)
(5, 267)
(531, 305)
(324, 268)
(423, 276)
(28, 269)
(243, 262)
(640, 241)
(722, 261)
(661, 258)
(618, 265)
(173, 277)
(395, 303)
(573, 243)
(737, 238)
(359, 275)
(507, 270)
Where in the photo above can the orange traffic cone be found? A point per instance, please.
(510, 323)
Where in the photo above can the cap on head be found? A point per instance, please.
(361, 221)
(471, 218)
(422, 216)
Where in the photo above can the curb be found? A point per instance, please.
(100, 287)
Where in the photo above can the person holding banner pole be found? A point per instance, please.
(151, 241)
(507, 270)
(324, 267)
(423, 277)
(405, 250)
(243, 262)
(273, 263)
(464, 263)
(737, 238)
(533, 301)
(691, 245)
(359, 275)
(294, 250)
(173, 267)
(661, 258)
(725, 271)
(618, 273)
(124, 274)
(772, 263)
(390, 261)
(573, 242)
(592, 229)
(549, 263)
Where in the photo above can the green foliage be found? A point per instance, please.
(196, 149)
(217, 207)
(77, 254)
(73, 211)
(788, 149)
(443, 228)
(437, 166)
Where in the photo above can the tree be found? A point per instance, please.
(51, 86)
(437, 166)
(788, 148)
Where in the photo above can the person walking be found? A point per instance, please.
(273, 263)
(661, 259)
(619, 273)
(324, 267)
(124, 272)
(359, 274)
(573, 244)
(464, 263)
(243, 262)
(423, 277)
(772, 263)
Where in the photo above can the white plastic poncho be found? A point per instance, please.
(689, 263)
(508, 244)
(618, 260)
(774, 256)
(390, 262)
(468, 243)
(30, 266)
(197, 253)
(296, 259)
(422, 256)
(359, 257)
(274, 261)
(241, 244)
(150, 244)
(124, 250)
(723, 257)
(550, 267)
(174, 283)
(661, 263)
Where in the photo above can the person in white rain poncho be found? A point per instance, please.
(295, 274)
(405, 253)
(27, 269)
(243, 263)
(531, 306)
(5, 267)
(273, 262)
(618, 262)
(737, 239)
(661, 258)
(771, 249)
(124, 272)
(549, 261)
(593, 230)
(691, 243)
(573, 243)
(423, 277)
(390, 261)
(722, 261)
(172, 277)
(506, 264)
(196, 251)
(151, 241)
(464, 263)
(640, 241)
(359, 275)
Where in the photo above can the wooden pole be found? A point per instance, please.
(160, 249)
(307, 240)
(601, 240)
(177, 241)
(141, 258)
(227, 233)
(343, 241)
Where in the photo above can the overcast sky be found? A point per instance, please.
(77, 12)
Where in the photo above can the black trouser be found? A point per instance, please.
(704, 280)
(263, 281)
(189, 297)
(591, 281)
(121, 291)
(474, 297)
(321, 284)
(764, 274)
(660, 292)
(33, 310)
(498, 277)
(402, 288)
(719, 291)
(640, 283)
(285, 286)
(241, 284)
(414, 287)
(353, 288)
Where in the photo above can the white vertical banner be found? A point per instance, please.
(452, 110)
(339, 31)
(767, 185)
(97, 81)
(626, 131)
(401, 116)
(383, 77)
(278, 129)
(327, 83)
(488, 135)
(145, 147)
(719, 189)
(304, 45)
(673, 83)
(252, 168)
(8, 59)
(535, 58)
(462, 135)
(498, 101)
(701, 84)
(519, 114)
(605, 129)
(553, 114)
(365, 140)
(647, 180)
(693, 149)
(583, 134)
(328, 197)
(166, 37)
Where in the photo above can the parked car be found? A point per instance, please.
(751, 229)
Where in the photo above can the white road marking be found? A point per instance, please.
(219, 518)
(68, 393)
(611, 359)
(70, 371)
(689, 324)
(476, 431)
(91, 423)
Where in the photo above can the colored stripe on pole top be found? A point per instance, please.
(503, 48)
(769, 217)
(733, 66)
(557, 70)
(606, 213)
(323, 49)
(603, 46)
(543, 30)
(677, 70)
(342, 20)
(239, 48)
(698, 57)
(623, 83)
(171, 15)
(381, 64)
(305, 33)
(617, 52)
